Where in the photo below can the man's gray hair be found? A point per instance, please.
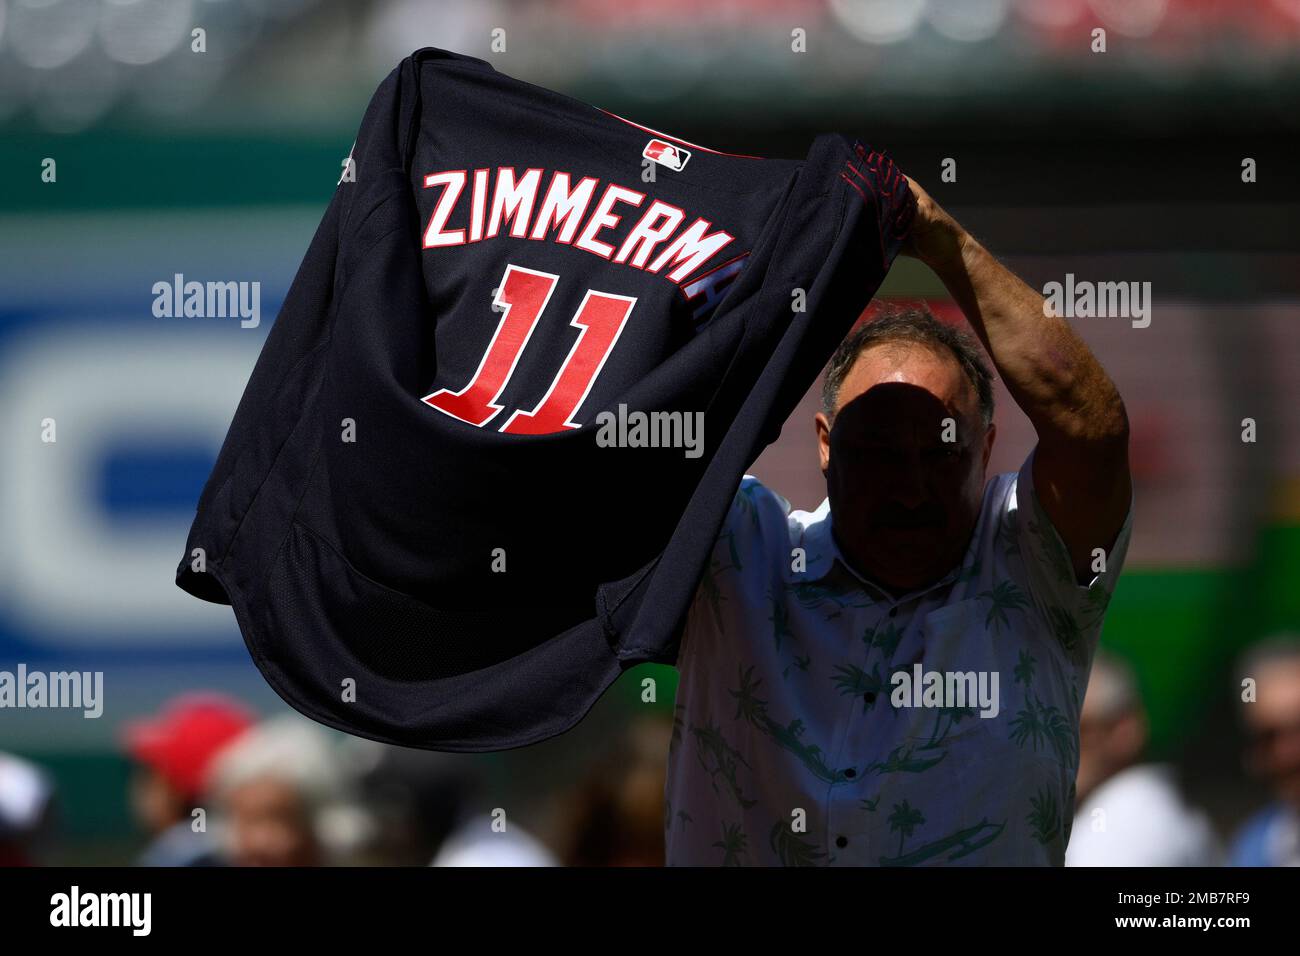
(917, 326)
(304, 757)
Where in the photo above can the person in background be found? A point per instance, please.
(284, 798)
(418, 799)
(433, 809)
(26, 811)
(616, 815)
(1272, 724)
(1129, 812)
(172, 755)
(480, 841)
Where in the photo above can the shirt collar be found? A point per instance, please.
(823, 556)
(820, 551)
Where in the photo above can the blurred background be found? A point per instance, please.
(213, 155)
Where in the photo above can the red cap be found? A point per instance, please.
(181, 743)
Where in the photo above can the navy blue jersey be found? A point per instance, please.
(490, 438)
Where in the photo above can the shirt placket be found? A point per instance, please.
(850, 820)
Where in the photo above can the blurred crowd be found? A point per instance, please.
(211, 784)
(1130, 811)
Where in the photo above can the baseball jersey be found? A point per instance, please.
(480, 462)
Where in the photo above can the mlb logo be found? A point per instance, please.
(666, 154)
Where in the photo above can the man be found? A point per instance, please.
(614, 816)
(426, 808)
(284, 798)
(173, 755)
(1272, 721)
(1130, 812)
(797, 738)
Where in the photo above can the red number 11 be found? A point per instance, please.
(522, 298)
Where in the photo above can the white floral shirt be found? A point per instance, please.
(788, 747)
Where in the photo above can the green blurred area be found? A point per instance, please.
(125, 170)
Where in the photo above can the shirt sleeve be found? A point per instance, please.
(739, 555)
(1073, 611)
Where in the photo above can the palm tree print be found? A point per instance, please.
(1024, 670)
(904, 820)
(753, 709)
(720, 759)
(854, 681)
(780, 618)
(1071, 806)
(1050, 544)
(954, 716)
(790, 848)
(1037, 722)
(883, 637)
(710, 592)
(1006, 535)
(679, 726)
(813, 595)
(1065, 628)
(903, 761)
(733, 552)
(748, 704)
(1003, 597)
(1094, 607)
(733, 844)
(1044, 817)
(963, 842)
(797, 663)
(744, 502)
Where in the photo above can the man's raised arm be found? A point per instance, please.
(1081, 469)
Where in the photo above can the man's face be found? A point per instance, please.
(270, 825)
(155, 802)
(904, 500)
(1273, 725)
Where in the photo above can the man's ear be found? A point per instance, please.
(823, 426)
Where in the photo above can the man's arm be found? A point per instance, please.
(1081, 469)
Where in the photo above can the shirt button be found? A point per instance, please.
(841, 842)
(850, 773)
(893, 612)
(869, 697)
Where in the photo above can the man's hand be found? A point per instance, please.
(1081, 468)
(935, 237)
